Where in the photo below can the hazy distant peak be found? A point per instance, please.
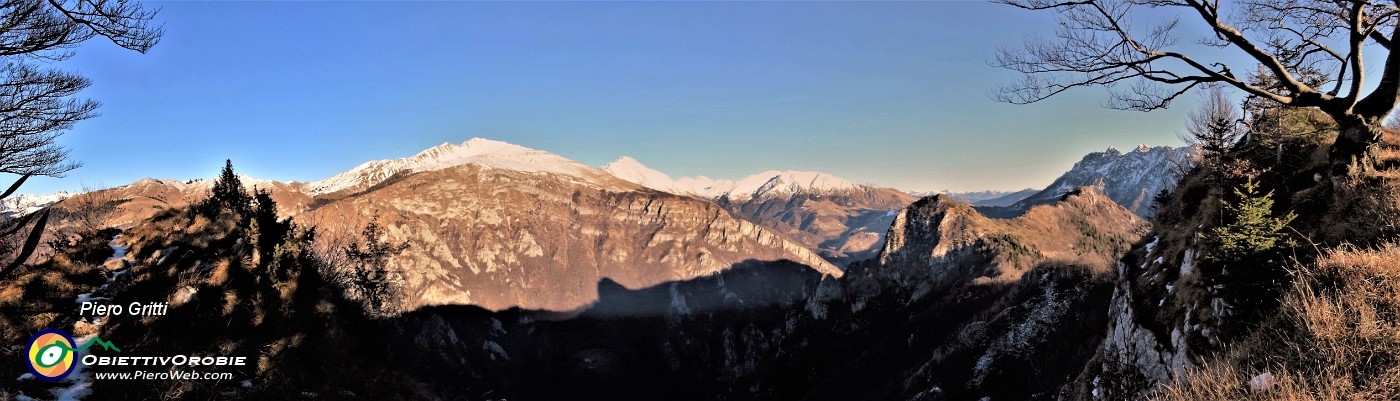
(630, 169)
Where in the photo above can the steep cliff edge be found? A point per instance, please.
(1182, 296)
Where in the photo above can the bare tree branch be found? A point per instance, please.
(1301, 45)
(37, 104)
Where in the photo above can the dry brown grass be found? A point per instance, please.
(1337, 337)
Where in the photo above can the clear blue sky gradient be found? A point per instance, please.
(894, 94)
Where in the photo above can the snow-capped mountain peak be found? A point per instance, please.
(756, 186)
(632, 170)
(25, 203)
(788, 182)
(484, 152)
(1132, 179)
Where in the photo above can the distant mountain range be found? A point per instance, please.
(20, 204)
(1130, 179)
(500, 225)
(842, 220)
(983, 198)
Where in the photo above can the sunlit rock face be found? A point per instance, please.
(500, 238)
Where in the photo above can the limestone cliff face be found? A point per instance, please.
(844, 225)
(940, 236)
(500, 238)
(499, 225)
(953, 310)
(949, 242)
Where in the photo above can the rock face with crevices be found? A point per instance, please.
(498, 225)
(500, 238)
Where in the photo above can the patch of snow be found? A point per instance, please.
(118, 251)
(26, 376)
(246, 384)
(87, 297)
(678, 305)
(1263, 382)
(495, 350)
(1188, 263)
(79, 382)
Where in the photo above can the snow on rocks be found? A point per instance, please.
(1263, 382)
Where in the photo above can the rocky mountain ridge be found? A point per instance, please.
(840, 219)
(500, 225)
(1132, 179)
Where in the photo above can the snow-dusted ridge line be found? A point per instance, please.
(483, 152)
(767, 183)
(21, 204)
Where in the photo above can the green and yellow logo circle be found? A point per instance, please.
(51, 355)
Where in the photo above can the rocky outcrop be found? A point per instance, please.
(843, 225)
(946, 241)
(841, 220)
(877, 332)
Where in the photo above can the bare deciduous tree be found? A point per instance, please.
(1311, 49)
(1214, 128)
(36, 101)
(92, 210)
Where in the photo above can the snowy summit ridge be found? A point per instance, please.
(479, 151)
(767, 183)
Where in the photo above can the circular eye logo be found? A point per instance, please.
(50, 355)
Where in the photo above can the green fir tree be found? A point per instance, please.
(1252, 228)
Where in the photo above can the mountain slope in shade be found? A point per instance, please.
(841, 220)
(1013, 292)
(1131, 179)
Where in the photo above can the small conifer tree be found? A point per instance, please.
(228, 192)
(1252, 228)
(377, 284)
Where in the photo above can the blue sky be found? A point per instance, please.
(893, 94)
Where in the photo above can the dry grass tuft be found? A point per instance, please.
(1337, 337)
